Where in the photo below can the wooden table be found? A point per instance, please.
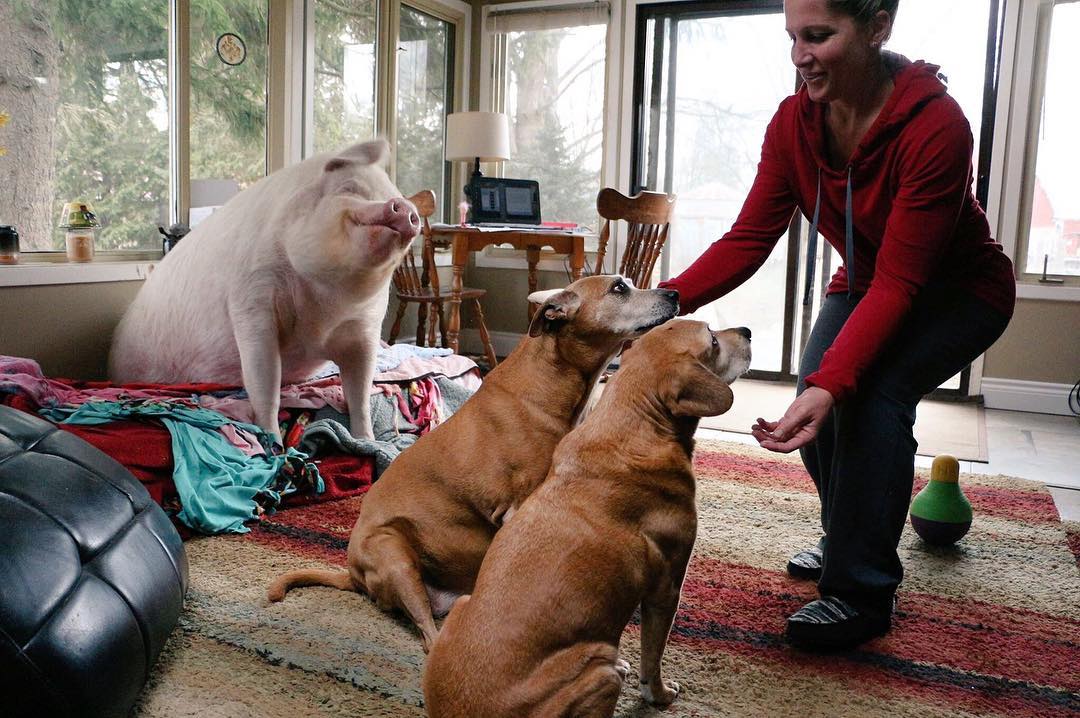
(465, 239)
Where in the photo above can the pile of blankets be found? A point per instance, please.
(196, 449)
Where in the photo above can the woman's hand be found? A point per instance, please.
(799, 425)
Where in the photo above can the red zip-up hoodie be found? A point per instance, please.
(915, 222)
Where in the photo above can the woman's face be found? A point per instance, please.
(830, 50)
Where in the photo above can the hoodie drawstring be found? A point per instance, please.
(811, 245)
(849, 241)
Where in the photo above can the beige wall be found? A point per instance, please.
(1042, 344)
(67, 328)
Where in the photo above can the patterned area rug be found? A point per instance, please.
(989, 628)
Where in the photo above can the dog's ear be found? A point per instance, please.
(542, 295)
(365, 153)
(690, 389)
(556, 308)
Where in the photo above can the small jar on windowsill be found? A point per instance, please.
(79, 224)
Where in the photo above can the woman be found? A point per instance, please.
(875, 152)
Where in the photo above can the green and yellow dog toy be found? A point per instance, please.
(940, 513)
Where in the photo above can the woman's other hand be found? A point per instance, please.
(799, 425)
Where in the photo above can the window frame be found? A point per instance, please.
(1024, 57)
(459, 15)
(295, 138)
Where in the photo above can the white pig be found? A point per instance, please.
(289, 273)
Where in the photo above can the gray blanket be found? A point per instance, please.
(393, 431)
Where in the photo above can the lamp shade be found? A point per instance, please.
(470, 135)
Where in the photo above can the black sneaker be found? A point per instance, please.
(806, 564)
(831, 624)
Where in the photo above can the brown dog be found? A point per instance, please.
(426, 524)
(612, 527)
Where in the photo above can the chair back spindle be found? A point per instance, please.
(648, 218)
(418, 282)
(410, 279)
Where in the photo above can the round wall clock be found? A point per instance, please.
(231, 49)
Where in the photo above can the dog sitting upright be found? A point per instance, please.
(289, 273)
(426, 524)
(611, 528)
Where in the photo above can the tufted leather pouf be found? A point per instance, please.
(92, 575)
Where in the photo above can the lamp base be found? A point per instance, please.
(471, 189)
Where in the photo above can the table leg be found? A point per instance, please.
(461, 256)
(577, 259)
(532, 254)
(421, 324)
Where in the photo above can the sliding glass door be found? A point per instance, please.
(711, 81)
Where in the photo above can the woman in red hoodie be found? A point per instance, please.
(878, 156)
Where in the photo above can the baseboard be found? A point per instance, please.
(1034, 396)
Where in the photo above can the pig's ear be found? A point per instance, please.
(555, 310)
(364, 153)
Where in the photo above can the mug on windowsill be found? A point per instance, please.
(9, 245)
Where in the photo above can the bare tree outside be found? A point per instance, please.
(29, 70)
(555, 97)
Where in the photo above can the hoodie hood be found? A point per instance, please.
(914, 85)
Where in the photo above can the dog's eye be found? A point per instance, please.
(619, 287)
(715, 343)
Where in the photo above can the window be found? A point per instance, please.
(343, 102)
(1051, 192)
(104, 76)
(548, 74)
(701, 131)
(425, 82)
(228, 101)
(93, 123)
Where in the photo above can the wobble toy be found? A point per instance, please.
(940, 513)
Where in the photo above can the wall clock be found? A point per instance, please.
(231, 49)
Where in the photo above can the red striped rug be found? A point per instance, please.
(988, 628)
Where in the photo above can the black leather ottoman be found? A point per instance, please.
(92, 575)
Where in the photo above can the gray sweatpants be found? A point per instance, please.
(863, 459)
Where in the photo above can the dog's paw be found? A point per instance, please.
(622, 668)
(667, 693)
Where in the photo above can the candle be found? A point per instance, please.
(80, 244)
(9, 245)
(463, 210)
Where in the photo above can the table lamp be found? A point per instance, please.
(479, 137)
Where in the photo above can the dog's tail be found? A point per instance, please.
(310, 577)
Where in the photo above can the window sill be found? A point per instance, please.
(1051, 292)
(30, 273)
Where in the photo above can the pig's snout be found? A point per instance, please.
(401, 216)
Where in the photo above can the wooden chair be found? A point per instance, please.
(420, 285)
(648, 216)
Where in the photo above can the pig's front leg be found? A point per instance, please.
(260, 364)
(353, 347)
